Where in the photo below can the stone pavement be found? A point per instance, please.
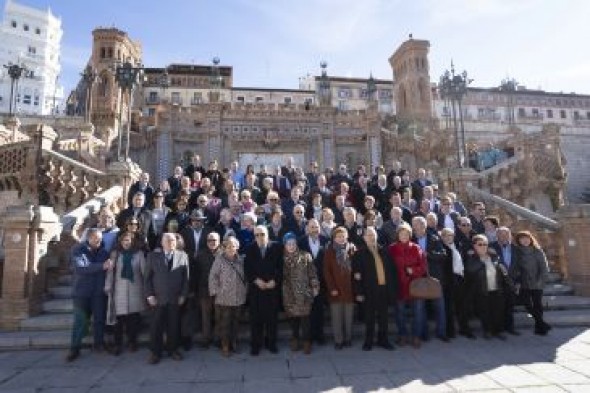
(555, 363)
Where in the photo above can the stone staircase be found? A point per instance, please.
(52, 328)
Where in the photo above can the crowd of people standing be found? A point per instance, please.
(205, 244)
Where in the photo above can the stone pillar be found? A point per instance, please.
(12, 124)
(123, 174)
(459, 180)
(27, 232)
(575, 228)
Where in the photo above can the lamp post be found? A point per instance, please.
(90, 76)
(371, 89)
(509, 86)
(453, 87)
(127, 76)
(215, 80)
(15, 72)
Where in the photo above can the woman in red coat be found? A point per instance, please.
(410, 262)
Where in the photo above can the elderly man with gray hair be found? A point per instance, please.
(166, 288)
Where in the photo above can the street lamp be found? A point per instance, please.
(127, 76)
(371, 88)
(324, 85)
(215, 80)
(15, 72)
(453, 87)
(509, 86)
(90, 76)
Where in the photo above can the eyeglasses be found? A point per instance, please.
(260, 234)
(481, 244)
(158, 196)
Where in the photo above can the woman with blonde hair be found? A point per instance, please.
(531, 270)
(228, 285)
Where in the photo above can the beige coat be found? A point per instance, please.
(125, 297)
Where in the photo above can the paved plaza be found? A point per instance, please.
(555, 363)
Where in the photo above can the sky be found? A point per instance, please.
(271, 43)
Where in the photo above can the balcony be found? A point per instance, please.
(153, 100)
(196, 101)
(532, 118)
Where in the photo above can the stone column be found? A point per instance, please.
(27, 232)
(123, 174)
(575, 230)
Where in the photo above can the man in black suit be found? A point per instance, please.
(166, 288)
(506, 250)
(323, 190)
(194, 237)
(143, 185)
(139, 211)
(263, 270)
(175, 182)
(194, 166)
(419, 184)
(312, 175)
(315, 244)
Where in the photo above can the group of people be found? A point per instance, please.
(205, 245)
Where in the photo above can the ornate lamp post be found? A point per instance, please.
(216, 81)
(453, 87)
(324, 85)
(127, 76)
(15, 72)
(371, 88)
(509, 86)
(90, 76)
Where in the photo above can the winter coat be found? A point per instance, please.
(203, 265)
(338, 278)
(530, 267)
(367, 284)
(226, 281)
(300, 282)
(125, 297)
(410, 262)
(87, 266)
(475, 274)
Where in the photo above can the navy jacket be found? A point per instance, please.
(89, 276)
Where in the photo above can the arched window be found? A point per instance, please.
(103, 86)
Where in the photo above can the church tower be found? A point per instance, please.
(411, 80)
(110, 47)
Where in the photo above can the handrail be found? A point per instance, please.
(501, 165)
(74, 162)
(77, 216)
(512, 207)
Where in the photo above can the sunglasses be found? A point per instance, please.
(273, 200)
(260, 234)
(158, 196)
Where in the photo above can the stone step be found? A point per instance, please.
(65, 279)
(46, 322)
(61, 292)
(556, 289)
(60, 337)
(554, 277)
(58, 306)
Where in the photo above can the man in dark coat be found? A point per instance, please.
(166, 289)
(419, 184)
(194, 237)
(375, 283)
(506, 252)
(142, 185)
(440, 266)
(138, 210)
(315, 244)
(90, 260)
(263, 270)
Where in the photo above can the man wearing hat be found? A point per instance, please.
(194, 237)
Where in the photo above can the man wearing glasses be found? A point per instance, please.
(478, 213)
(263, 270)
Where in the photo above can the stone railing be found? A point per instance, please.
(518, 218)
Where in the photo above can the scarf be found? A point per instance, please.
(379, 268)
(127, 269)
(457, 260)
(342, 256)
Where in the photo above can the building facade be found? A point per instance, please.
(31, 37)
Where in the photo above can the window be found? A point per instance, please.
(110, 53)
(36, 101)
(26, 27)
(549, 114)
(175, 97)
(151, 112)
(342, 105)
(259, 99)
(27, 99)
(32, 50)
(38, 31)
(103, 53)
(13, 24)
(287, 100)
(521, 112)
(535, 112)
(587, 113)
(562, 114)
(153, 97)
(576, 115)
(241, 99)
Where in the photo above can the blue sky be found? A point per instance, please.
(271, 43)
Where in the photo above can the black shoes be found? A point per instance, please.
(513, 332)
(444, 339)
(385, 345)
(176, 356)
(153, 359)
(338, 346)
(254, 351)
(273, 349)
(72, 355)
(367, 346)
(467, 334)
